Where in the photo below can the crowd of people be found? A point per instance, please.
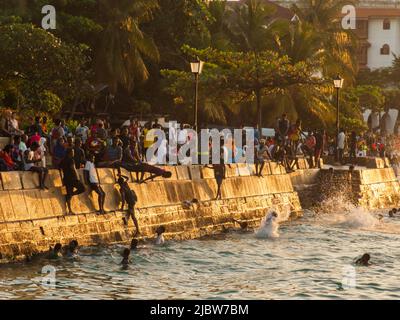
(95, 144)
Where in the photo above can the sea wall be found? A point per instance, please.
(369, 188)
(31, 220)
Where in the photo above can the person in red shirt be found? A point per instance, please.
(5, 155)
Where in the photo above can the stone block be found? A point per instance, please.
(34, 204)
(182, 172)
(19, 206)
(245, 170)
(30, 180)
(54, 202)
(207, 173)
(11, 180)
(112, 199)
(106, 175)
(53, 179)
(172, 169)
(6, 209)
(231, 170)
(195, 173)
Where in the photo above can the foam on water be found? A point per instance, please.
(269, 227)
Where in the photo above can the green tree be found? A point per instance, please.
(120, 56)
(40, 67)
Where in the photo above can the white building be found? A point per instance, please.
(378, 29)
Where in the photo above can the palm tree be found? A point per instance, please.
(120, 56)
(339, 45)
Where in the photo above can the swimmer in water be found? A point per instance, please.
(125, 257)
(160, 237)
(243, 225)
(391, 215)
(134, 244)
(269, 226)
(394, 210)
(55, 253)
(364, 260)
(72, 249)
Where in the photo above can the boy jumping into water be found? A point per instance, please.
(128, 195)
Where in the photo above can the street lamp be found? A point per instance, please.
(338, 84)
(197, 69)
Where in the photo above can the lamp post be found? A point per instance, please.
(338, 84)
(197, 69)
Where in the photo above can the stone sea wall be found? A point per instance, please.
(369, 188)
(31, 220)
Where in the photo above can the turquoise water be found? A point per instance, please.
(306, 262)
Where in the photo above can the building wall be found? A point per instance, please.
(377, 37)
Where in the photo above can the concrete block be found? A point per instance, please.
(30, 180)
(112, 199)
(6, 209)
(19, 205)
(182, 172)
(207, 173)
(195, 172)
(54, 199)
(245, 170)
(106, 175)
(53, 179)
(11, 180)
(34, 204)
(231, 170)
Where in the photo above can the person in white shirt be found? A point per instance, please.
(93, 181)
(341, 144)
(82, 131)
(32, 163)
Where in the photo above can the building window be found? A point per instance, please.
(386, 24)
(385, 50)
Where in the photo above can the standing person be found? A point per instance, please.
(59, 152)
(79, 154)
(32, 164)
(124, 137)
(128, 195)
(341, 145)
(219, 174)
(319, 146)
(93, 181)
(70, 178)
(156, 125)
(309, 147)
(82, 131)
(262, 155)
(56, 133)
(283, 128)
(353, 146)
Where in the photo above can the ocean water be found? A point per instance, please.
(313, 258)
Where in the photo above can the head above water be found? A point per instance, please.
(57, 247)
(126, 253)
(134, 244)
(160, 230)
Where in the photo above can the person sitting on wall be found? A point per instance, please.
(70, 178)
(153, 171)
(131, 159)
(34, 164)
(6, 156)
(92, 180)
(112, 155)
(128, 195)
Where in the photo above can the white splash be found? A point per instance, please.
(269, 226)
